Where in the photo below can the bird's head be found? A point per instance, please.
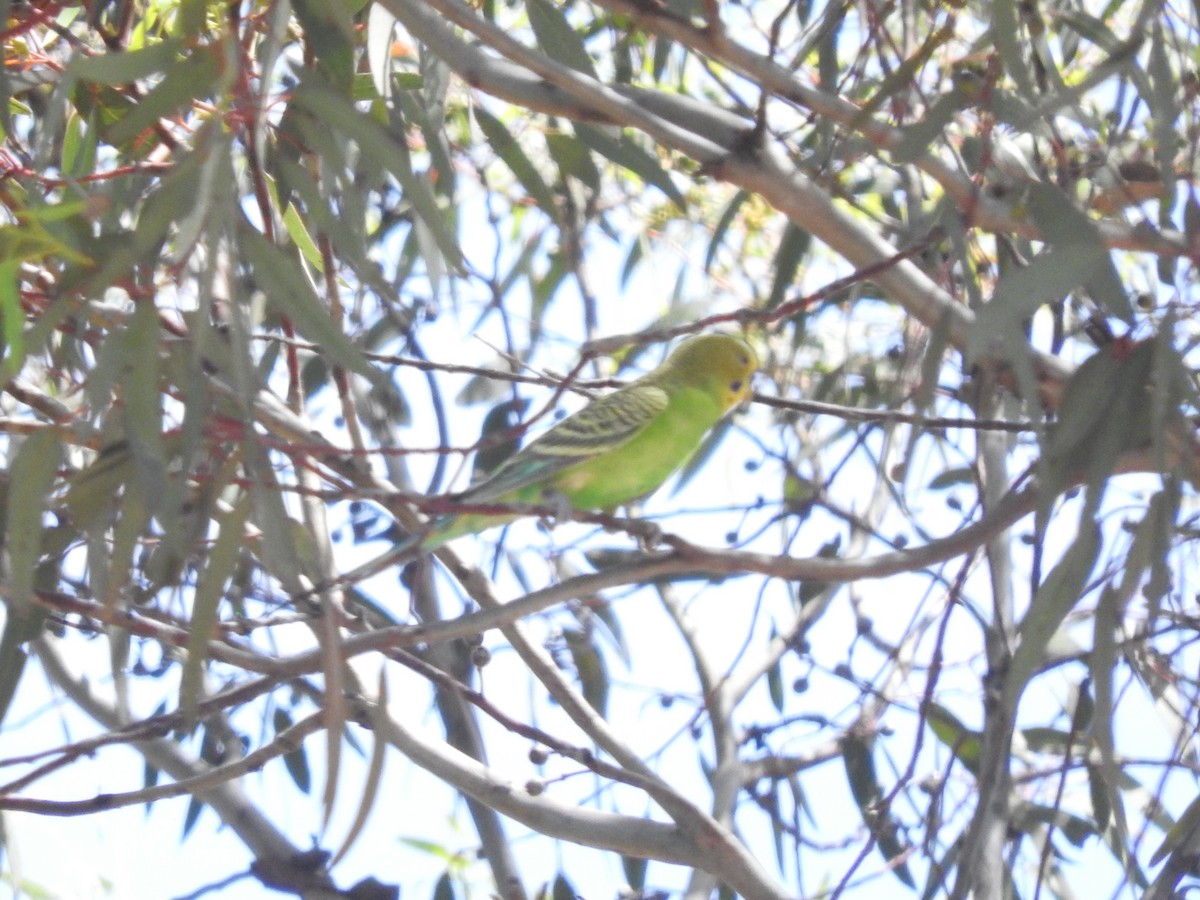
(721, 362)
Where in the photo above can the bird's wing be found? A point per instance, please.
(600, 427)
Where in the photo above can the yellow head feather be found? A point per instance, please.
(721, 363)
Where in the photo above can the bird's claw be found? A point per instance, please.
(648, 534)
(558, 506)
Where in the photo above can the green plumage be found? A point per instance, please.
(617, 449)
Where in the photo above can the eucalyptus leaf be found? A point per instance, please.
(32, 472)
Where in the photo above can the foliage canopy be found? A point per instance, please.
(275, 277)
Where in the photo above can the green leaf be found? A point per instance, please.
(775, 684)
(637, 250)
(31, 478)
(381, 29)
(141, 412)
(116, 69)
(635, 871)
(1005, 36)
(509, 150)
(291, 293)
(19, 628)
(1055, 598)
(206, 600)
(965, 743)
(563, 890)
(573, 158)
(1077, 255)
(1108, 408)
(629, 155)
(916, 137)
(191, 18)
(347, 235)
(298, 232)
(12, 319)
(185, 83)
(277, 549)
(792, 247)
(858, 757)
(728, 215)
(608, 626)
(296, 761)
(1166, 111)
(557, 38)
(1068, 228)
(195, 807)
(949, 478)
(1182, 835)
(1076, 828)
(328, 31)
(93, 489)
(386, 152)
(80, 140)
(131, 524)
(589, 668)
(1100, 792)
(444, 889)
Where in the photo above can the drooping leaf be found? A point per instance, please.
(92, 489)
(387, 153)
(858, 757)
(557, 38)
(628, 155)
(728, 215)
(116, 69)
(1055, 598)
(1076, 828)
(949, 478)
(142, 410)
(775, 680)
(509, 150)
(195, 807)
(563, 889)
(329, 31)
(589, 668)
(963, 741)
(1005, 36)
(19, 628)
(792, 248)
(296, 761)
(210, 588)
(185, 83)
(444, 889)
(370, 785)
(634, 868)
(381, 28)
(1164, 105)
(292, 295)
(32, 472)
(573, 158)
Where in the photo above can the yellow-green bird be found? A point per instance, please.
(617, 449)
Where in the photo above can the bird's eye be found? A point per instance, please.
(735, 385)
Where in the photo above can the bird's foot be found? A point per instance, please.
(647, 534)
(559, 507)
